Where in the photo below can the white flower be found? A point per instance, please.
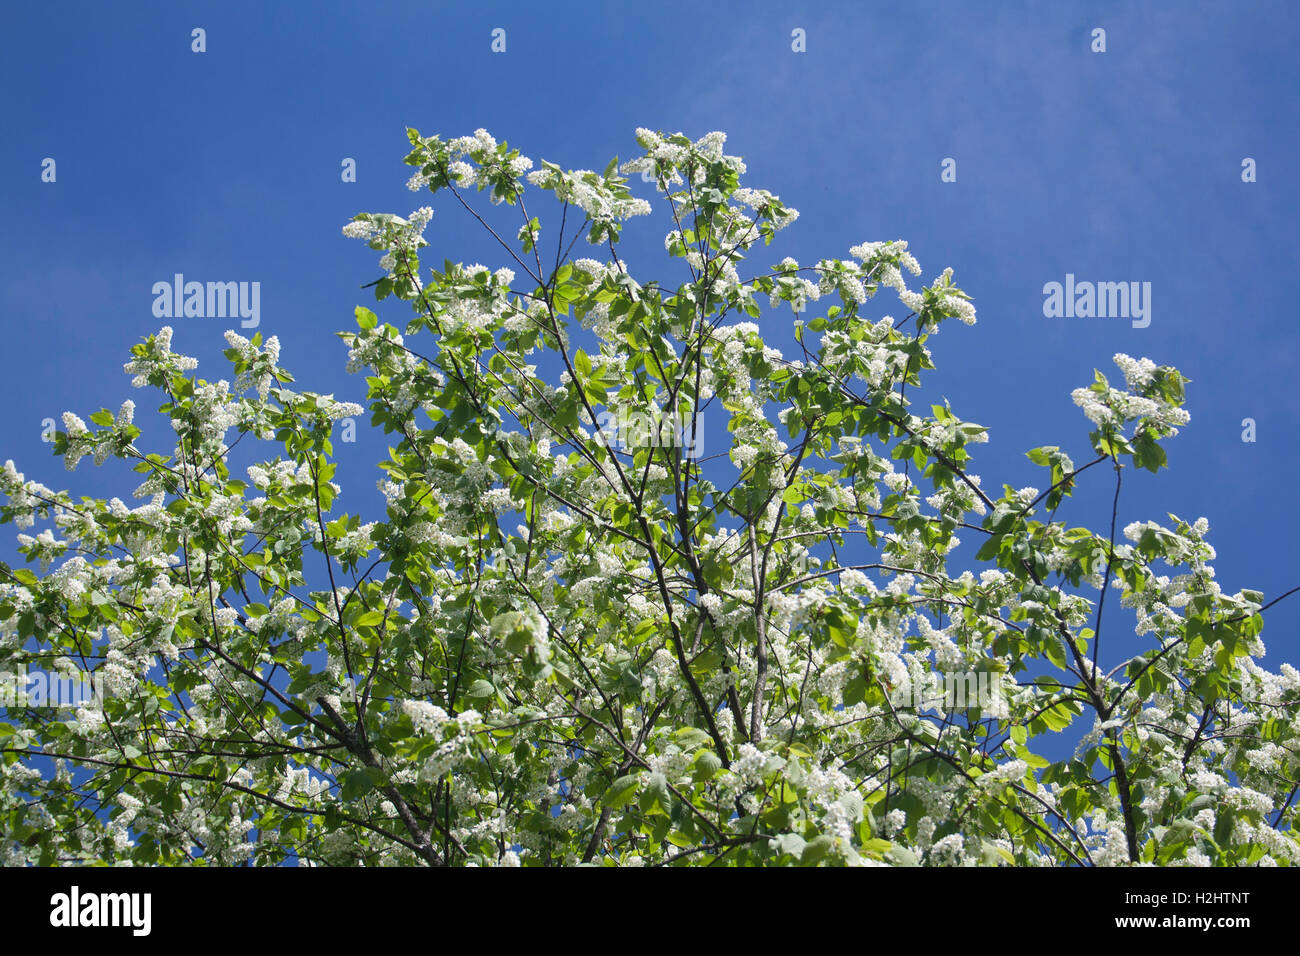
(1137, 372)
(711, 603)
(359, 230)
(425, 717)
(947, 850)
(1097, 411)
(894, 822)
(74, 425)
(462, 172)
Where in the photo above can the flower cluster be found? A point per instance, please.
(548, 648)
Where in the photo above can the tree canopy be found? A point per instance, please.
(572, 637)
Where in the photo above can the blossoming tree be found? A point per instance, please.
(560, 646)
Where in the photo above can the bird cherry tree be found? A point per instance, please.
(558, 645)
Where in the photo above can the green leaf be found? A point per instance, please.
(791, 843)
(707, 764)
(901, 856)
(816, 850)
(621, 791)
(689, 738)
(655, 794)
(356, 784)
(992, 855)
(842, 626)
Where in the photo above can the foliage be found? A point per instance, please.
(560, 646)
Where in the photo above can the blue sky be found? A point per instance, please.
(1115, 166)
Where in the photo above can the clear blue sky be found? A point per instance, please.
(1115, 166)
